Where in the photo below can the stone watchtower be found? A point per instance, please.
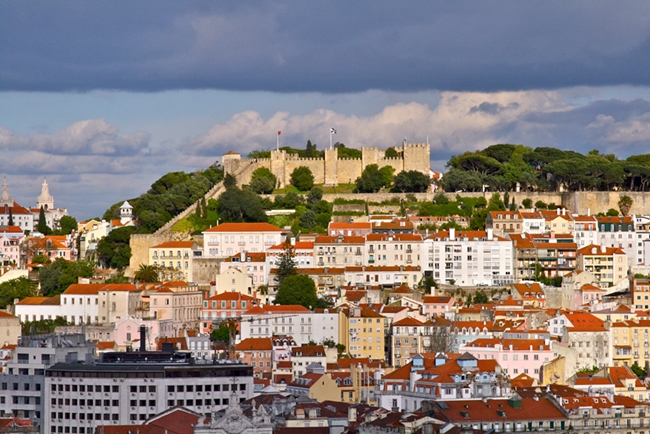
(230, 161)
(417, 156)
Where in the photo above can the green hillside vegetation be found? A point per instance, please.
(168, 197)
(502, 166)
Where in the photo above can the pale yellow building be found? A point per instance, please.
(234, 280)
(362, 331)
(607, 264)
(9, 329)
(174, 259)
(630, 342)
(176, 303)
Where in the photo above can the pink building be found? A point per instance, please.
(222, 306)
(587, 294)
(227, 239)
(516, 356)
(437, 305)
(257, 352)
(349, 229)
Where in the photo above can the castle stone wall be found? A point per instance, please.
(347, 170)
(329, 170)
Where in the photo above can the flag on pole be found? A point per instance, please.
(279, 132)
(332, 131)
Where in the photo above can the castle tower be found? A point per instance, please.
(126, 213)
(417, 156)
(5, 197)
(331, 166)
(45, 200)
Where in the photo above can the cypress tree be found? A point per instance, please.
(42, 223)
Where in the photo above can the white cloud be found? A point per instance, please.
(634, 130)
(93, 137)
(460, 121)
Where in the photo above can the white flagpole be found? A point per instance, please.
(330, 138)
(277, 144)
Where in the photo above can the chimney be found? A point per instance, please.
(352, 414)
(143, 338)
(588, 212)
(452, 234)
(603, 249)
(293, 241)
(490, 235)
(557, 210)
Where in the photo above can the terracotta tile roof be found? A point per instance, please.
(308, 351)
(585, 322)
(176, 421)
(517, 344)
(598, 250)
(408, 322)
(109, 345)
(32, 300)
(255, 344)
(119, 287)
(476, 410)
(4, 314)
(231, 296)
(522, 380)
(244, 227)
(174, 245)
(84, 289)
(436, 299)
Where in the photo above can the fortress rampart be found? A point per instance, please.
(329, 170)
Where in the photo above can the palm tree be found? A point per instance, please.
(147, 273)
(625, 204)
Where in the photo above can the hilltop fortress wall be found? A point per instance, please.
(330, 170)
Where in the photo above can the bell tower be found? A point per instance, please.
(45, 200)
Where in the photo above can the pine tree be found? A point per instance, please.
(286, 264)
(11, 217)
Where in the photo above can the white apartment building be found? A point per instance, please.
(393, 249)
(126, 391)
(303, 255)
(469, 258)
(619, 231)
(532, 222)
(227, 239)
(586, 230)
(22, 386)
(289, 320)
(338, 251)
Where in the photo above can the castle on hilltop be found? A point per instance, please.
(330, 170)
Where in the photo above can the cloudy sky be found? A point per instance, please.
(104, 97)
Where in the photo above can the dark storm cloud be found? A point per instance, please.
(322, 46)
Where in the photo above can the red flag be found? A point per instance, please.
(279, 132)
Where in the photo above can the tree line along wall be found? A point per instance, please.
(330, 170)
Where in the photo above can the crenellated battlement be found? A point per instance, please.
(331, 169)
